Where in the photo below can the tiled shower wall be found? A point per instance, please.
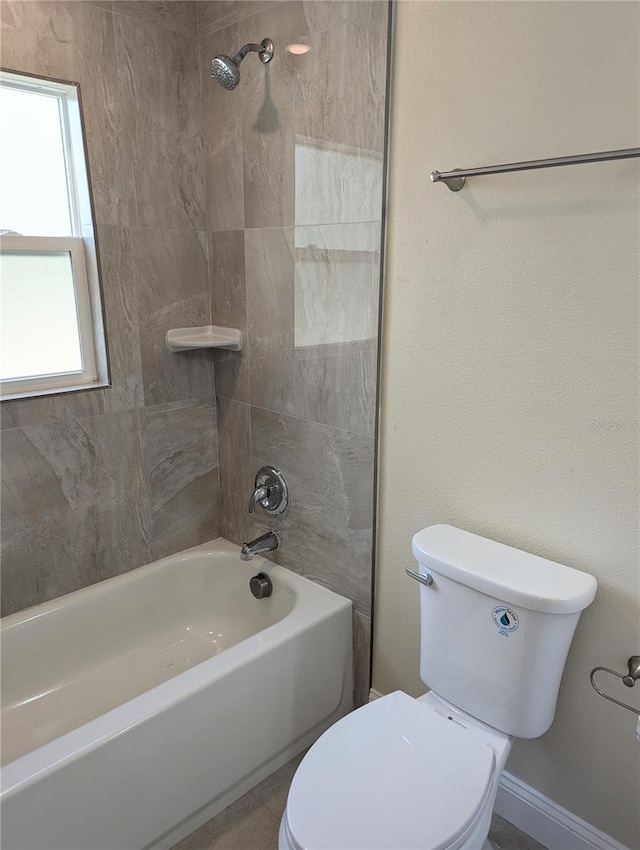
(96, 483)
(259, 209)
(294, 181)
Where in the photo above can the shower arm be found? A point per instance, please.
(247, 48)
(264, 51)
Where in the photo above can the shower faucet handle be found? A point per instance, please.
(258, 495)
(270, 491)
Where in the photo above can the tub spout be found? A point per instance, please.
(266, 543)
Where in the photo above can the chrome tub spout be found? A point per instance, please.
(265, 543)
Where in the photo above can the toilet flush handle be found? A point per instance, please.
(423, 579)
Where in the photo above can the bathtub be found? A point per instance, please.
(136, 709)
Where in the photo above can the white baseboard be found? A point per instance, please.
(546, 821)
(543, 819)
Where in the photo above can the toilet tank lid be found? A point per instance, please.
(503, 572)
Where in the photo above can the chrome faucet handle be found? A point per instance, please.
(258, 495)
(270, 491)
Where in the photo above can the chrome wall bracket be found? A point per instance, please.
(452, 183)
(629, 679)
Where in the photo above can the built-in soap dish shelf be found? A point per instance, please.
(207, 336)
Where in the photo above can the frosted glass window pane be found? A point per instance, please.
(39, 323)
(33, 180)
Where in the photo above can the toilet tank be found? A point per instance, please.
(496, 627)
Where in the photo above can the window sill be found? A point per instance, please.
(95, 385)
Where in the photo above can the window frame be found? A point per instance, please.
(80, 245)
(88, 375)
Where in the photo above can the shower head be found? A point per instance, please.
(226, 69)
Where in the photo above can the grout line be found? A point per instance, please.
(294, 226)
(142, 23)
(263, 805)
(215, 27)
(161, 227)
(311, 421)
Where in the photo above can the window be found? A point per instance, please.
(50, 320)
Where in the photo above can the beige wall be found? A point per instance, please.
(510, 361)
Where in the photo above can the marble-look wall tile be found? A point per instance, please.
(56, 553)
(334, 363)
(82, 485)
(337, 283)
(312, 322)
(327, 532)
(335, 183)
(335, 73)
(229, 309)
(216, 14)
(75, 41)
(179, 445)
(121, 318)
(222, 129)
(312, 143)
(68, 465)
(227, 278)
(30, 483)
(160, 83)
(336, 385)
(299, 146)
(268, 117)
(361, 659)
(171, 279)
(236, 471)
(43, 410)
(178, 16)
(80, 502)
(269, 258)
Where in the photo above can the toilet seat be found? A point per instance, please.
(393, 775)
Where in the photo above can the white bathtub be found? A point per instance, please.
(136, 709)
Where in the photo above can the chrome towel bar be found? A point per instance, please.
(629, 679)
(456, 179)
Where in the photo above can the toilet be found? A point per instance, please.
(403, 773)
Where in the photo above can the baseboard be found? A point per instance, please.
(543, 819)
(546, 821)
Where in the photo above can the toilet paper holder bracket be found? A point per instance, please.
(629, 679)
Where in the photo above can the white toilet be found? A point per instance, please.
(400, 773)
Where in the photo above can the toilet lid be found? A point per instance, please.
(392, 775)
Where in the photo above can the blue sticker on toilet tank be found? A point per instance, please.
(505, 620)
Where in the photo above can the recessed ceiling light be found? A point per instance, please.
(298, 49)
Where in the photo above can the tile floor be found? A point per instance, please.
(252, 822)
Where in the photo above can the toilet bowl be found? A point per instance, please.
(422, 774)
(396, 774)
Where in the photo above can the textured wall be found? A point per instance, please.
(293, 175)
(510, 365)
(96, 483)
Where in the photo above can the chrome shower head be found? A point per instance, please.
(226, 69)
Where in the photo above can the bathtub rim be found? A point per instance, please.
(313, 604)
(216, 546)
